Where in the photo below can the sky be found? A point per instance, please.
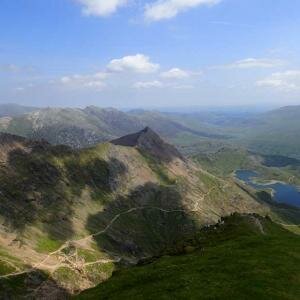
(150, 53)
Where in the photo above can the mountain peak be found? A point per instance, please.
(150, 142)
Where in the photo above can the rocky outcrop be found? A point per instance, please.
(151, 143)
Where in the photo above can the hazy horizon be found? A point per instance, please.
(175, 109)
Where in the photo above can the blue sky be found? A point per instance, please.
(145, 53)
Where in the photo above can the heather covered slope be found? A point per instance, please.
(76, 215)
(242, 257)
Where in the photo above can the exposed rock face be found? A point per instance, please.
(74, 127)
(151, 143)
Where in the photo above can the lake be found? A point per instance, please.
(283, 193)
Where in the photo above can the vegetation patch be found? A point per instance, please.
(67, 277)
(158, 168)
(90, 255)
(46, 245)
(244, 258)
(100, 272)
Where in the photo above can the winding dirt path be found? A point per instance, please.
(42, 263)
(103, 231)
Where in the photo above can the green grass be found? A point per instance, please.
(159, 170)
(20, 286)
(46, 244)
(6, 268)
(89, 255)
(225, 161)
(67, 276)
(99, 272)
(236, 261)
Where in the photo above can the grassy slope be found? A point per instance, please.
(226, 160)
(236, 261)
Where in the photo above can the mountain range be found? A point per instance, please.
(275, 132)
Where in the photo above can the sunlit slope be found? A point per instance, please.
(243, 257)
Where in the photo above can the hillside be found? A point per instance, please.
(225, 160)
(276, 132)
(242, 257)
(13, 110)
(70, 126)
(172, 126)
(71, 217)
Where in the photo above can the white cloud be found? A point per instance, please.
(183, 87)
(148, 84)
(20, 89)
(86, 81)
(250, 63)
(175, 73)
(101, 8)
(287, 81)
(167, 9)
(138, 63)
(159, 84)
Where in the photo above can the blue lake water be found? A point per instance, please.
(283, 193)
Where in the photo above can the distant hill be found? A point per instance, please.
(12, 110)
(276, 132)
(80, 128)
(173, 126)
(273, 133)
(73, 127)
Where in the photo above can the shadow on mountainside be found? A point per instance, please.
(33, 285)
(149, 221)
(43, 184)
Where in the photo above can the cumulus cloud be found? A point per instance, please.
(250, 63)
(94, 81)
(175, 73)
(167, 9)
(159, 84)
(138, 63)
(148, 84)
(101, 8)
(287, 81)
